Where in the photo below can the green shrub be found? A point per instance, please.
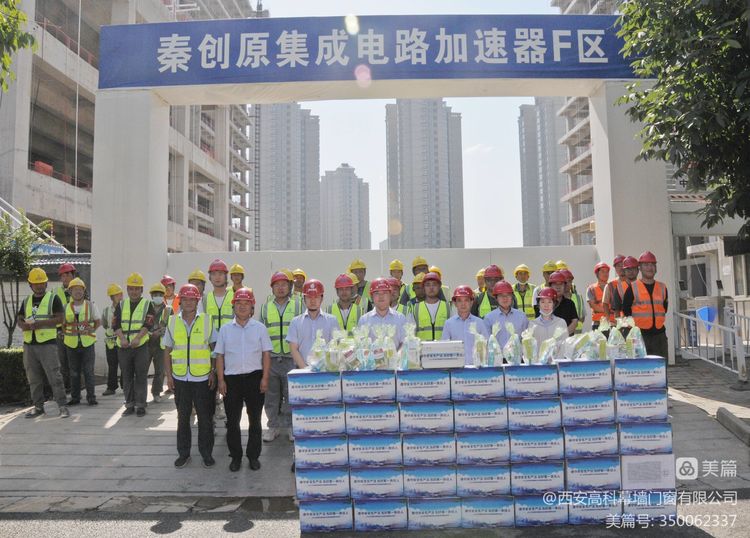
(14, 387)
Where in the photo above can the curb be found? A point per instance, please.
(734, 424)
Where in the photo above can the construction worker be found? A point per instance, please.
(162, 311)
(572, 293)
(630, 267)
(548, 268)
(217, 303)
(396, 295)
(457, 327)
(396, 270)
(299, 281)
(445, 291)
(564, 307)
(132, 322)
(79, 336)
(243, 368)
(480, 281)
(38, 318)
(198, 279)
(276, 315)
(595, 294)
(236, 275)
(505, 313)
(431, 314)
(561, 264)
(523, 291)
(612, 288)
(363, 299)
(170, 297)
(382, 313)
(66, 272)
(418, 266)
(647, 300)
(484, 303)
(547, 323)
(115, 295)
(188, 341)
(303, 328)
(345, 310)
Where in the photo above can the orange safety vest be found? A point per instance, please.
(649, 311)
(618, 286)
(598, 296)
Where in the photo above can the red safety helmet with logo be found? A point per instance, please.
(630, 262)
(567, 274)
(66, 268)
(600, 265)
(619, 258)
(343, 281)
(167, 280)
(189, 291)
(502, 287)
(431, 276)
(313, 288)
(244, 294)
(395, 283)
(493, 271)
(463, 291)
(557, 278)
(548, 293)
(278, 277)
(647, 257)
(218, 265)
(379, 284)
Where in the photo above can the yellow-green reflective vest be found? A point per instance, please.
(278, 324)
(404, 309)
(64, 299)
(219, 316)
(73, 324)
(42, 312)
(166, 313)
(364, 299)
(191, 351)
(578, 301)
(524, 301)
(132, 322)
(485, 307)
(109, 334)
(426, 328)
(355, 312)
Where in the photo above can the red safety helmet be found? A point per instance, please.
(218, 265)
(493, 271)
(395, 283)
(600, 265)
(379, 284)
(432, 276)
(167, 280)
(647, 257)
(66, 268)
(630, 262)
(619, 258)
(278, 277)
(548, 293)
(244, 294)
(502, 287)
(567, 274)
(313, 288)
(343, 281)
(189, 291)
(463, 291)
(557, 278)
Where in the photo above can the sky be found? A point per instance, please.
(353, 132)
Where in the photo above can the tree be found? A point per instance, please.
(696, 114)
(16, 257)
(12, 38)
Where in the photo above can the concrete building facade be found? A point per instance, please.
(344, 210)
(424, 174)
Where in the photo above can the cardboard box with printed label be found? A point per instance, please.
(306, 387)
(481, 415)
(482, 448)
(477, 383)
(531, 381)
(428, 513)
(328, 451)
(326, 516)
(382, 515)
(368, 386)
(423, 385)
(326, 419)
(427, 417)
(482, 480)
(486, 511)
(369, 419)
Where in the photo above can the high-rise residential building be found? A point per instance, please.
(425, 175)
(539, 129)
(47, 130)
(344, 210)
(288, 161)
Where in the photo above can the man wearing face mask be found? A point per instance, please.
(162, 311)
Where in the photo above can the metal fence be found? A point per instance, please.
(721, 345)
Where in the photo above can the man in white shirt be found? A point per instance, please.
(383, 314)
(303, 328)
(243, 365)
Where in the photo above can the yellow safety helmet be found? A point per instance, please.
(237, 268)
(37, 276)
(396, 265)
(288, 273)
(522, 267)
(560, 264)
(113, 289)
(158, 288)
(76, 282)
(418, 278)
(197, 275)
(549, 267)
(353, 277)
(416, 262)
(480, 273)
(436, 269)
(135, 280)
(299, 272)
(357, 264)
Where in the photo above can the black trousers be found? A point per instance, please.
(113, 363)
(189, 395)
(243, 390)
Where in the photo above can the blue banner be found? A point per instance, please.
(242, 51)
